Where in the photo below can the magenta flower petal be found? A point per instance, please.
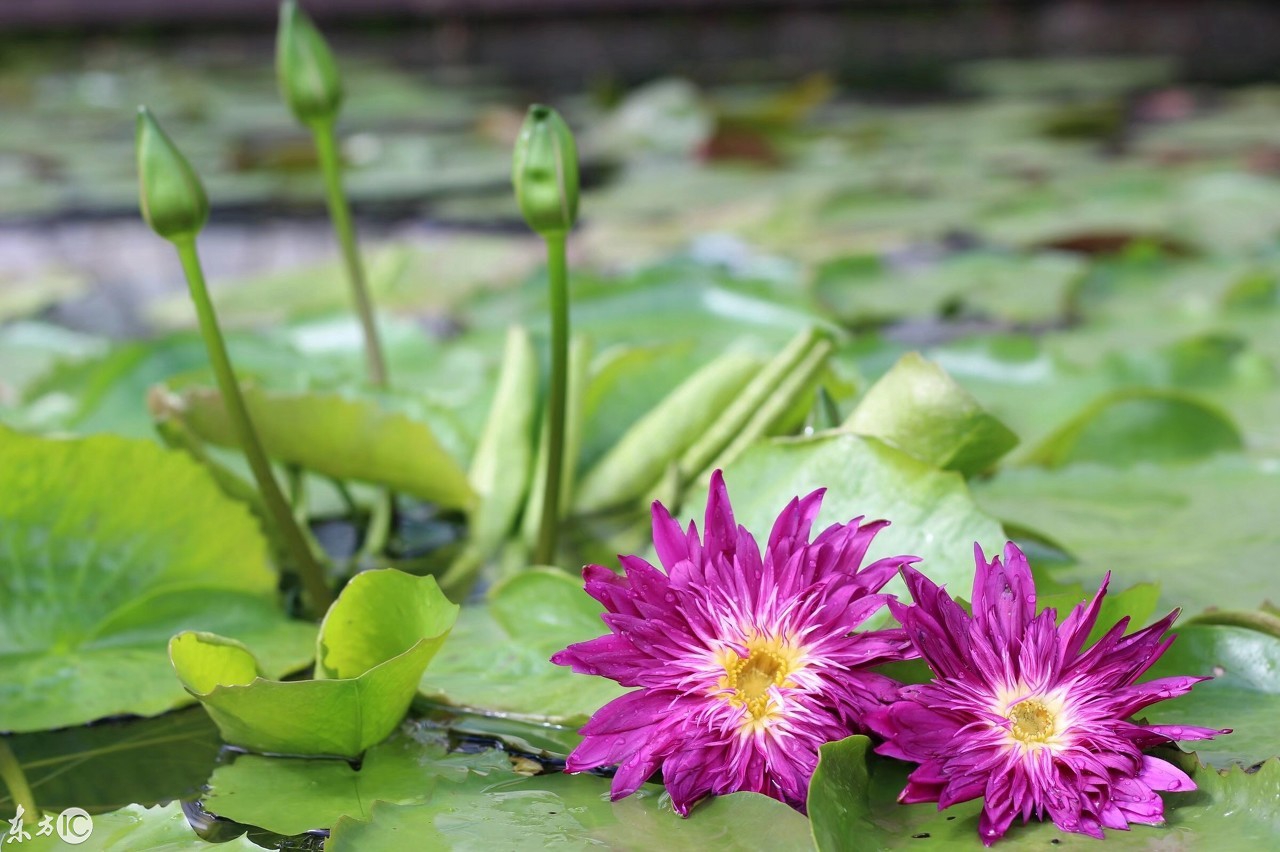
(1020, 713)
(745, 661)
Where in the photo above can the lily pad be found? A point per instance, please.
(1023, 288)
(1129, 426)
(933, 516)
(1204, 531)
(29, 349)
(158, 829)
(1137, 603)
(294, 795)
(111, 546)
(434, 273)
(1244, 694)
(853, 795)
(108, 393)
(373, 646)
(499, 658)
(921, 410)
(341, 437)
(571, 811)
(112, 764)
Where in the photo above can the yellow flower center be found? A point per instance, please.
(770, 661)
(1033, 722)
(1037, 718)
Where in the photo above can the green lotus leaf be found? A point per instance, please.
(853, 796)
(1135, 425)
(499, 659)
(921, 410)
(1137, 603)
(374, 644)
(338, 436)
(158, 829)
(108, 546)
(861, 289)
(291, 795)
(107, 392)
(559, 811)
(1206, 532)
(933, 514)
(1243, 695)
(117, 762)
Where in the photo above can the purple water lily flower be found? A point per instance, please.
(1018, 713)
(744, 663)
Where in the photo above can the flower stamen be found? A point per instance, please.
(770, 662)
(1033, 722)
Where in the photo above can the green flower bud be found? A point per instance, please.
(172, 197)
(545, 172)
(308, 76)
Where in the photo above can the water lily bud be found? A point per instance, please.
(308, 76)
(545, 172)
(173, 200)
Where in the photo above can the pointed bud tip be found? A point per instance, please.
(544, 171)
(308, 76)
(171, 196)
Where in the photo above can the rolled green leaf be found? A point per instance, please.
(374, 644)
(640, 458)
(744, 406)
(775, 407)
(172, 197)
(501, 467)
(308, 76)
(544, 172)
(921, 410)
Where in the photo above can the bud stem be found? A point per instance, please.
(313, 581)
(340, 215)
(16, 781)
(558, 276)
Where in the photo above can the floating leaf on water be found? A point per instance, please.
(294, 795)
(111, 545)
(373, 646)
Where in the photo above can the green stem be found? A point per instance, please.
(557, 273)
(378, 528)
(344, 494)
(308, 569)
(16, 780)
(340, 214)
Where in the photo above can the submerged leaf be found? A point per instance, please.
(118, 762)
